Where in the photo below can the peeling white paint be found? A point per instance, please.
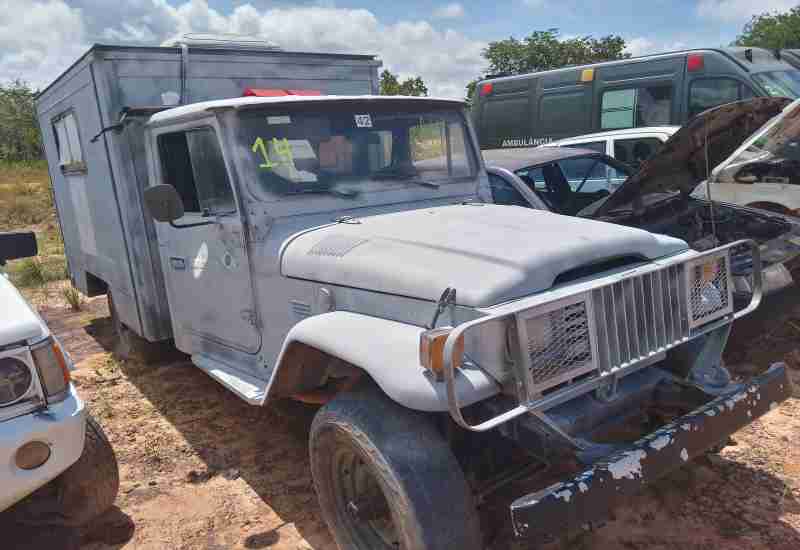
(730, 403)
(711, 412)
(583, 487)
(566, 494)
(629, 466)
(684, 455)
(661, 442)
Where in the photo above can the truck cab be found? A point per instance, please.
(344, 251)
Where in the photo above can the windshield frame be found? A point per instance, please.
(395, 192)
(594, 155)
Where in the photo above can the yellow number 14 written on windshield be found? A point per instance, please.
(281, 152)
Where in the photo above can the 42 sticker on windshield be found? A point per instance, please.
(363, 121)
(281, 151)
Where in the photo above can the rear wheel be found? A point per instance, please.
(386, 478)
(128, 344)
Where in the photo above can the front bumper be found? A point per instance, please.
(588, 497)
(61, 426)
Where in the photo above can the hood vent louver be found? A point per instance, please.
(336, 246)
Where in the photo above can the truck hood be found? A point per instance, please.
(18, 321)
(490, 254)
(680, 165)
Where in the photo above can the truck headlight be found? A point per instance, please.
(15, 380)
(431, 350)
(53, 368)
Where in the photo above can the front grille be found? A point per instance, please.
(559, 345)
(639, 316)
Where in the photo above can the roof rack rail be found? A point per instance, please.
(223, 41)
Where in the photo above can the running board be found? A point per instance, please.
(249, 388)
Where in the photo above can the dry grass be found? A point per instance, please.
(26, 203)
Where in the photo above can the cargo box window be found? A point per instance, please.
(193, 164)
(68, 142)
(634, 107)
(706, 93)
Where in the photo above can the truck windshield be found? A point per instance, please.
(780, 83)
(347, 151)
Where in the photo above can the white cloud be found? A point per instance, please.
(740, 10)
(444, 58)
(453, 10)
(38, 45)
(642, 45)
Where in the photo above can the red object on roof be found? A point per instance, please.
(275, 92)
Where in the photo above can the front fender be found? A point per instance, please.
(389, 352)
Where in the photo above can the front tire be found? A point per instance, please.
(89, 487)
(386, 478)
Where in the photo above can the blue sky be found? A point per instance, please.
(438, 40)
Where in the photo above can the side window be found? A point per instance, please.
(706, 93)
(192, 163)
(68, 142)
(533, 177)
(634, 151)
(429, 149)
(504, 117)
(563, 113)
(634, 107)
(503, 192)
(599, 146)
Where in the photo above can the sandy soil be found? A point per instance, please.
(201, 469)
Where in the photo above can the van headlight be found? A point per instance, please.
(53, 368)
(15, 380)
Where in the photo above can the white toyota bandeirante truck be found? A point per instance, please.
(344, 251)
(53, 456)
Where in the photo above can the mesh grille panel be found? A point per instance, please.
(709, 295)
(559, 343)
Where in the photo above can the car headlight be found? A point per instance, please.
(53, 368)
(15, 380)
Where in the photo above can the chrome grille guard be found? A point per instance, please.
(627, 335)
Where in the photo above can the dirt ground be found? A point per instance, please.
(201, 469)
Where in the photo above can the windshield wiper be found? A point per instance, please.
(410, 178)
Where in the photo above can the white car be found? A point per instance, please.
(629, 145)
(770, 181)
(53, 455)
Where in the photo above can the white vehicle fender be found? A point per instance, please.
(388, 351)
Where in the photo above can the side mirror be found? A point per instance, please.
(17, 245)
(745, 176)
(163, 203)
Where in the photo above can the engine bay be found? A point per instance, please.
(704, 226)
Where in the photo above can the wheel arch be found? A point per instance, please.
(386, 351)
(770, 206)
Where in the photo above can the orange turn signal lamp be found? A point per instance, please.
(431, 350)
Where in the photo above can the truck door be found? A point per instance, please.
(205, 260)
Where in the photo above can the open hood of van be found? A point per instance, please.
(681, 164)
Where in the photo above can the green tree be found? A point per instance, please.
(19, 130)
(391, 85)
(543, 50)
(772, 30)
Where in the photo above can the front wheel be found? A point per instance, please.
(386, 478)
